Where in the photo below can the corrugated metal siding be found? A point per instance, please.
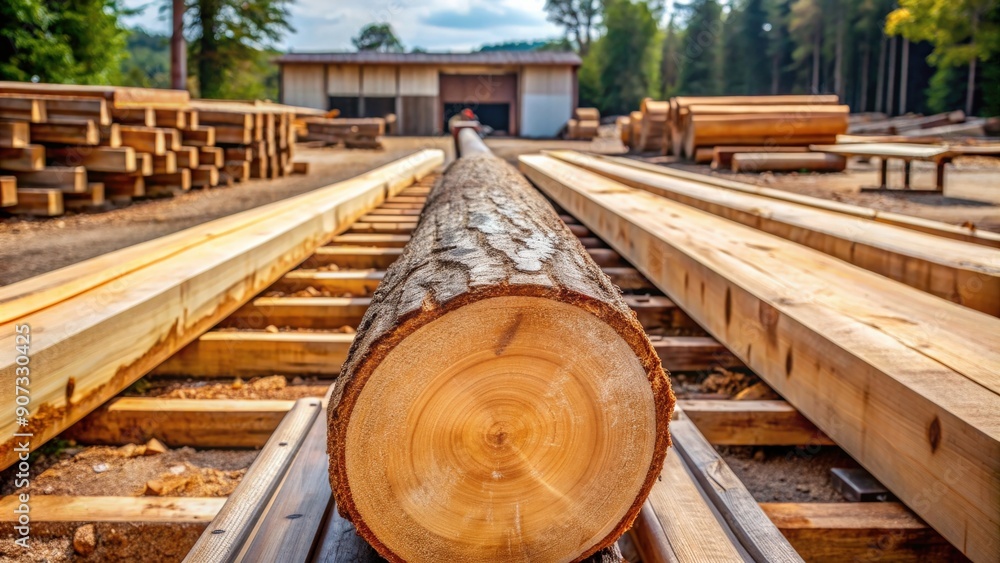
(302, 85)
(418, 81)
(546, 100)
(378, 80)
(343, 80)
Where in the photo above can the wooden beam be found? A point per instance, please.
(14, 135)
(66, 508)
(63, 178)
(958, 271)
(97, 159)
(44, 202)
(365, 239)
(752, 423)
(924, 371)
(8, 191)
(165, 294)
(855, 531)
(28, 159)
(199, 136)
(188, 157)
(354, 257)
(144, 139)
(197, 423)
(299, 312)
(93, 197)
(204, 176)
(83, 133)
(22, 109)
(693, 353)
(359, 283)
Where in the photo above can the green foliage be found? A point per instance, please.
(147, 63)
(942, 95)
(747, 60)
(580, 18)
(378, 37)
(71, 41)
(229, 38)
(701, 71)
(589, 77)
(670, 58)
(536, 45)
(629, 63)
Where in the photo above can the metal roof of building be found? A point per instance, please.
(483, 58)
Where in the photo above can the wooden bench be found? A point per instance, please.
(940, 155)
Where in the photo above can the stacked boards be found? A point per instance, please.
(652, 126)
(584, 124)
(354, 133)
(76, 147)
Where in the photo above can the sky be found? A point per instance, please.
(435, 25)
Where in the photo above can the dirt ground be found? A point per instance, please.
(29, 247)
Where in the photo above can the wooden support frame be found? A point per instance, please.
(823, 349)
(752, 423)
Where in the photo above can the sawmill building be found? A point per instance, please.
(520, 93)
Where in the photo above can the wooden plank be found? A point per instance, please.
(293, 521)
(250, 354)
(358, 283)
(180, 180)
(787, 162)
(205, 176)
(852, 350)
(238, 171)
(171, 138)
(8, 191)
(353, 257)
(200, 136)
(83, 133)
(628, 278)
(44, 202)
(752, 423)
(22, 109)
(65, 109)
(214, 156)
(339, 541)
(97, 159)
(93, 197)
(66, 508)
(197, 423)
(232, 526)
(188, 157)
(855, 531)
(377, 240)
(755, 532)
(299, 312)
(118, 96)
(165, 163)
(144, 139)
(27, 159)
(967, 234)
(64, 178)
(14, 135)
(958, 271)
(693, 353)
(401, 228)
(166, 293)
(144, 116)
(677, 522)
(233, 134)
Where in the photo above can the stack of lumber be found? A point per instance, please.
(904, 381)
(360, 133)
(74, 147)
(624, 125)
(144, 303)
(699, 124)
(635, 127)
(466, 423)
(584, 124)
(653, 127)
(906, 123)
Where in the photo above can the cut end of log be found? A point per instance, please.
(492, 440)
(492, 408)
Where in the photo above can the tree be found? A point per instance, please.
(629, 64)
(228, 33)
(378, 37)
(72, 41)
(805, 26)
(701, 54)
(670, 58)
(962, 32)
(579, 18)
(148, 62)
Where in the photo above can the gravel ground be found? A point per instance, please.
(29, 247)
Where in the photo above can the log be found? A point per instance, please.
(465, 400)
(722, 156)
(788, 162)
(710, 130)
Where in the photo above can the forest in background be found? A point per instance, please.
(879, 55)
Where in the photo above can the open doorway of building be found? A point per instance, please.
(496, 116)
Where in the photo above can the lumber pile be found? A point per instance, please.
(166, 293)
(498, 382)
(920, 370)
(787, 162)
(911, 123)
(353, 133)
(584, 124)
(76, 147)
(653, 126)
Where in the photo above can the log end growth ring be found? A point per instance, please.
(479, 437)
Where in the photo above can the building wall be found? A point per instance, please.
(418, 81)
(302, 85)
(378, 81)
(418, 115)
(547, 100)
(343, 80)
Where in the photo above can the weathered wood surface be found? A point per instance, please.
(852, 350)
(492, 275)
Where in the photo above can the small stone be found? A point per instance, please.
(297, 380)
(237, 383)
(48, 490)
(128, 450)
(271, 328)
(347, 329)
(177, 470)
(154, 488)
(60, 224)
(154, 447)
(85, 540)
(100, 468)
(312, 291)
(758, 455)
(802, 488)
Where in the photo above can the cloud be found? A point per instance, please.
(480, 17)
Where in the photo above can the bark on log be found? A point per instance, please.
(500, 400)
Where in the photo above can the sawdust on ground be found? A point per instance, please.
(276, 387)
